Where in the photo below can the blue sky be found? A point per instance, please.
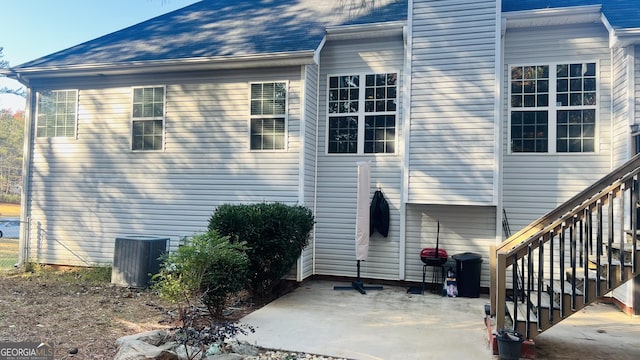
(33, 28)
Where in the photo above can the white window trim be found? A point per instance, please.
(164, 117)
(361, 114)
(552, 109)
(285, 116)
(56, 138)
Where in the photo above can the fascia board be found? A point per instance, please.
(179, 65)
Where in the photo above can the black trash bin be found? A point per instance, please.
(468, 274)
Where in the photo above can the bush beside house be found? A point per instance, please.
(274, 234)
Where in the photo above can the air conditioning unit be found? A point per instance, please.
(136, 258)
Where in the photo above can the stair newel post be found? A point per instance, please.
(572, 255)
(588, 218)
(501, 285)
(623, 188)
(581, 237)
(610, 243)
(540, 277)
(529, 288)
(598, 249)
(521, 288)
(634, 224)
(562, 274)
(551, 266)
(514, 280)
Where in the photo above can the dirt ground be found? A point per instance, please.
(75, 312)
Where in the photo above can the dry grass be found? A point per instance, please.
(9, 210)
(78, 308)
(74, 309)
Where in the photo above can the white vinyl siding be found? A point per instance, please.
(309, 156)
(337, 173)
(452, 156)
(117, 192)
(621, 92)
(534, 184)
(462, 229)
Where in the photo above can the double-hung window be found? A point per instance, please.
(268, 116)
(147, 126)
(553, 108)
(57, 113)
(362, 113)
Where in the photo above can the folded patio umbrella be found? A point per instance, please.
(362, 226)
(362, 210)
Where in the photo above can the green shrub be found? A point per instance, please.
(207, 267)
(275, 235)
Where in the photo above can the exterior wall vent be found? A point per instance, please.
(136, 258)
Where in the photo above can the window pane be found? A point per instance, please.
(343, 132)
(382, 89)
(576, 130)
(529, 131)
(56, 113)
(379, 134)
(576, 84)
(530, 86)
(346, 92)
(268, 99)
(147, 135)
(267, 134)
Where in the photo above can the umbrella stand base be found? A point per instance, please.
(358, 285)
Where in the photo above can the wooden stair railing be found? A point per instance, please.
(570, 257)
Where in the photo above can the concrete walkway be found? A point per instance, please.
(383, 324)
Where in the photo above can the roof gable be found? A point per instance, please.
(222, 28)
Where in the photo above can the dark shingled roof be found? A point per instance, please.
(621, 14)
(220, 28)
(225, 28)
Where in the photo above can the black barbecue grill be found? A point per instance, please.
(436, 258)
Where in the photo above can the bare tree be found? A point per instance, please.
(5, 90)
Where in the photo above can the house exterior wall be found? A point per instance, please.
(534, 184)
(308, 156)
(620, 116)
(462, 229)
(636, 86)
(337, 173)
(625, 292)
(84, 192)
(452, 156)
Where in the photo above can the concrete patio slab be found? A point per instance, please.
(383, 324)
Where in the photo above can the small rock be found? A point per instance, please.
(186, 352)
(153, 337)
(136, 349)
(73, 350)
(244, 348)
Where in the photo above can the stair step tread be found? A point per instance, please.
(545, 300)
(567, 287)
(593, 259)
(628, 246)
(592, 274)
(522, 313)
